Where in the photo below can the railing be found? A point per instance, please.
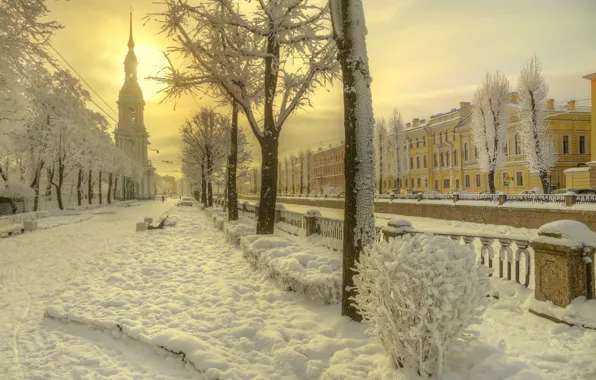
(537, 198)
(330, 228)
(293, 218)
(437, 197)
(479, 197)
(250, 210)
(585, 198)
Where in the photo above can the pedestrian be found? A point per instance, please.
(163, 199)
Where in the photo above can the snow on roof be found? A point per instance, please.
(576, 170)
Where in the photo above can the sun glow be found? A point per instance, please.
(151, 60)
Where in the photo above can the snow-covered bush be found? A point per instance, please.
(420, 293)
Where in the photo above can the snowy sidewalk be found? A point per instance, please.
(183, 288)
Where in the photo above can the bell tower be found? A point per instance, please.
(131, 135)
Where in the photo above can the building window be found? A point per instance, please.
(133, 117)
(417, 162)
(436, 184)
(442, 160)
(466, 151)
(446, 184)
(412, 183)
(505, 179)
(519, 178)
(425, 182)
(454, 135)
(467, 180)
(518, 147)
(423, 140)
(424, 162)
(582, 144)
(447, 158)
(435, 160)
(565, 144)
(411, 163)
(410, 143)
(441, 137)
(457, 184)
(419, 183)
(455, 157)
(435, 138)
(478, 180)
(417, 143)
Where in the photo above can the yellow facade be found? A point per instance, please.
(452, 162)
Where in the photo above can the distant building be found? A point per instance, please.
(328, 168)
(441, 154)
(131, 135)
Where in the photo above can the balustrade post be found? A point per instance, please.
(397, 227)
(569, 199)
(257, 206)
(278, 210)
(502, 198)
(455, 197)
(563, 262)
(487, 250)
(419, 197)
(310, 221)
(244, 207)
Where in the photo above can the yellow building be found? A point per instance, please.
(441, 154)
(328, 169)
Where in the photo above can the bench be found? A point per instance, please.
(7, 226)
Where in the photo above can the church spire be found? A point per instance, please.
(131, 42)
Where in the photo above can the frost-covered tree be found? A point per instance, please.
(537, 141)
(489, 123)
(397, 143)
(349, 29)
(381, 132)
(286, 52)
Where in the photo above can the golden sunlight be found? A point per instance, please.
(151, 60)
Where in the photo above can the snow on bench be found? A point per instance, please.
(8, 226)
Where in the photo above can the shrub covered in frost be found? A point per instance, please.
(420, 293)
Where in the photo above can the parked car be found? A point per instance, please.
(563, 191)
(186, 201)
(533, 191)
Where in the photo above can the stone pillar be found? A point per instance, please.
(31, 225)
(148, 220)
(502, 198)
(141, 226)
(569, 199)
(563, 263)
(397, 227)
(278, 210)
(419, 197)
(311, 221)
(244, 207)
(455, 197)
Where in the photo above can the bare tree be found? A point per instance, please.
(489, 123)
(349, 29)
(301, 158)
(537, 141)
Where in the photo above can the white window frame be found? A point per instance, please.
(522, 178)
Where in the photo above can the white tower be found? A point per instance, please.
(131, 135)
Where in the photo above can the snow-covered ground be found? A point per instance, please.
(114, 295)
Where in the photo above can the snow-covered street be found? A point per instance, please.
(114, 296)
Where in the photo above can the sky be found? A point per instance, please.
(425, 57)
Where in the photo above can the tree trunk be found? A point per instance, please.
(209, 181)
(99, 189)
(110, 188)
(79, 182)
(90, 186)
(35, 186)
(50, 179)
(203, 183)
(232, 163)
(4, 177)
(380, 166)
(115, 186)
(359, 219)
(491, 182)
(266, 221)
(308, 175)
(544, 181)
(302, 176)
(58, 186)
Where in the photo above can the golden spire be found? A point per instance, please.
(131, 42)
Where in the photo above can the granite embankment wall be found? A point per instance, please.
(530, 217)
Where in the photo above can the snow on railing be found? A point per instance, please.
(330, 228)
(536, 198)
(585, 198)
(437, 197)
(293, 218)
(479, 197)
(405, 196)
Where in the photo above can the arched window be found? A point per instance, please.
(423, 140)
(435, 160)
(434, 138)
(442, 160)
(518, 147)
(447, 158)
(455, 157)
(466, 151)
(133, 117)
